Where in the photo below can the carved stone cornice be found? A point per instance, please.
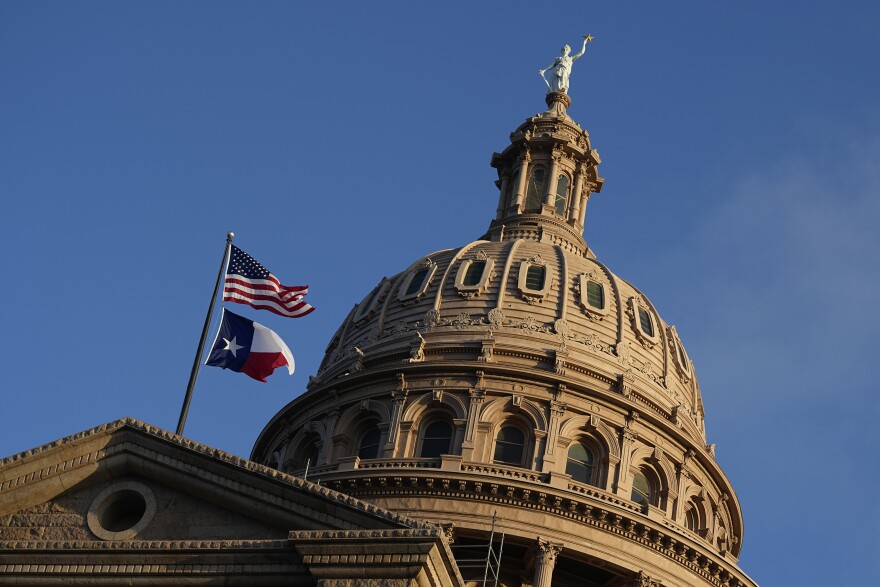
(584, 504)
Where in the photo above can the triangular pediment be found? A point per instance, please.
(102, 484)
(128, 503)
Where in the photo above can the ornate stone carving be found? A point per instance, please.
(496, 318)
(417, 349)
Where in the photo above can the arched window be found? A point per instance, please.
(643, 492)
(580, 463)
(437, 439)
(368, 447)
(306, 453)
(561, 194)
(691, 517)
(535, 190)
(510, 446)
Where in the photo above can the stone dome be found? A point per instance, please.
(516, 380)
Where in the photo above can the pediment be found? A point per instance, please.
(128, 503)
(199, 492)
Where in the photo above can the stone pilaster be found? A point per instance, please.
(477, 396)
(398, 399)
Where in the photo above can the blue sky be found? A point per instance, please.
(740, 144)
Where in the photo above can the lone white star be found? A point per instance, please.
(231, 346)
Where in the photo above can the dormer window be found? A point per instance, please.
(366, 307)
(535, 277)
(595, 295)
(416, 283)
(474, 275)
(679, 356)
(643, 322)
(533, 282)
(561, 194)
(590, 288)
(535, 192)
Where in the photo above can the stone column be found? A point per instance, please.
(550, 196)
(524, 161)
(502, 199)
(545, 560)
(574, 214)
(585, 197)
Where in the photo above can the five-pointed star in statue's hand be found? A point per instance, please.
(231, 346)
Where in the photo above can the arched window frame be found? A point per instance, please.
(307, 450)
(647, 339)
(415, 295)
(566, 199)
(365, 429)
(428, 421)
(472, 291)
(538, 193)
(597, 454)
(533, 296)
(528, 442)
(654, 487)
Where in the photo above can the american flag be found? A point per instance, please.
(248, 282)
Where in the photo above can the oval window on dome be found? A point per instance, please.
(561, 194)
(416, 283)
(591, 298)
(535, 277)
(534, 281)
(366, 307)
(645, 322)
(535, 191)
(474, 275)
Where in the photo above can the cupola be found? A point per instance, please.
(546, 177)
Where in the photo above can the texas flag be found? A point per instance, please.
(247, 347)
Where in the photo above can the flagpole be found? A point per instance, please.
(198, 360)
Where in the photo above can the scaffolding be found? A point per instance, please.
(471, 561)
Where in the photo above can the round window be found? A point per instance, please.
(122, 510)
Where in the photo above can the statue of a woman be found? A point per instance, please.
(560, 69)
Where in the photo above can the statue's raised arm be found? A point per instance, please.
(560, 69)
